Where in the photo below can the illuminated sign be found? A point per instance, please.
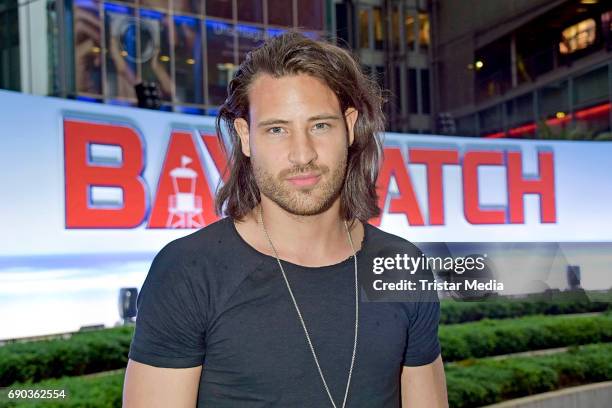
(185, 199)
(99, 178)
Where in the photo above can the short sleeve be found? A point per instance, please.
(423, 344)
(170, 329)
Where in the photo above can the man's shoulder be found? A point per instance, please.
(211, 241)
(211, 257)
(381, 240)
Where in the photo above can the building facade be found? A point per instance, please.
(98, 50)
(522, 68)
(392, 41)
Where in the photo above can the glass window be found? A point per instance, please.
(520, 110)
(606, 28)
(121, 32)
(364, 28)
(577, 37)
(466, 125)
(591, 87)
(87, 48)
(310, 14)
(250, 10)
(188, 6)
(120, 102)
(397, 91)
(553, 100)
(410, 28)
(313, 35)
(491, 119)
(10, 77)
(378, 28)
(249, 37)
(395, 29)
(219, 8)
(280, 12)
(220, 59)
(492, 67)
(189, 110)
(275, 32)
(344, 24)
(188, 60)
(413, 106)
(424, 30)
(425, 91)
(155, 51)
(160, 4)
(53, 43)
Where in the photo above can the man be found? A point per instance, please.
(261, 308)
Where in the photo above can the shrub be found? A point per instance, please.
(83, 353)
(101, 391)
(494, 337)
(460, 312)
(488, 381)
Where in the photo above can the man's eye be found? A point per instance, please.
(322, 126)
(275, 130)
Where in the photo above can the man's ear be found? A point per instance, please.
(350, 116)
(242, 128)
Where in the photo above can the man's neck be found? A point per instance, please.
(315, 240)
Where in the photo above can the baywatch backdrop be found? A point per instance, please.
(91, 192)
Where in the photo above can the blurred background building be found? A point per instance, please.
(392, 40)
(522, 68)
(491, 68)
(97, 50)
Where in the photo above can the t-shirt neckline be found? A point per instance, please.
(338, 265)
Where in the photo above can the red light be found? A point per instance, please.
(581, 114)
(558, 121)
(522, 129)
(495, 135)
(594, 111)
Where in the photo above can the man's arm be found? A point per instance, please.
(424, 386)
(151, 387)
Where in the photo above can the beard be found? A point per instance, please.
(302, 200)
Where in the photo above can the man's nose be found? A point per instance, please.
(302, 149)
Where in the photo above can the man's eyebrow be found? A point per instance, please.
(284, 122)
(324, 117)
(272, 122)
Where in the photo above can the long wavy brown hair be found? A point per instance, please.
(289, 54)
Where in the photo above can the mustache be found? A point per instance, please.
(296, 171)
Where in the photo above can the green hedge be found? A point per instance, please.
(105, 350)
(101, 391)
(494, 337)
(83, 353)
(472, 383)
(460, 312)
(476, 383)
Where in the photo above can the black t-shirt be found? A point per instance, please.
(210, 298)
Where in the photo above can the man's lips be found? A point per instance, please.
(305, 179)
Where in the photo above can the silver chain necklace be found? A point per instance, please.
(314, 355)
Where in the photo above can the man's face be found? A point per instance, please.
(298, 142)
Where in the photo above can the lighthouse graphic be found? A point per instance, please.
(184, 206)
